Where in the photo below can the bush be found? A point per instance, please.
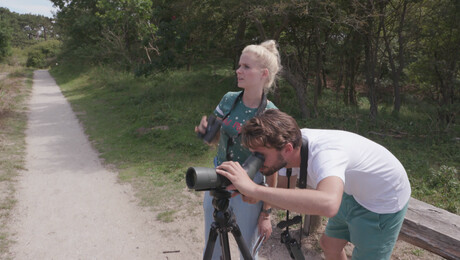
(43, 54)
(5, 41)
(446, 180)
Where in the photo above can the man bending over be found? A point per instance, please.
(358, 184)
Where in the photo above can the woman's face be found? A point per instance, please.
(249, 72)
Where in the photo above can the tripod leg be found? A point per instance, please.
(225, 246)
(211, 242)
(240, 241)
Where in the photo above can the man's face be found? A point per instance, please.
(274, 160)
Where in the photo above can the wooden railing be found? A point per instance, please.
(425, 226)
(432, 228)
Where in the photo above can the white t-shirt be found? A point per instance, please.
(374, 176)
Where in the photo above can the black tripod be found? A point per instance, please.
(224, 221)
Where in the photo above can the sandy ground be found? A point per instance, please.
(71, 207)
(3, 75)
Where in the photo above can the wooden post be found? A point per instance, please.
(311, 224)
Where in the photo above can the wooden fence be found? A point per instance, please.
(425, 226)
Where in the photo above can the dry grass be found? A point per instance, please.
(15, 86)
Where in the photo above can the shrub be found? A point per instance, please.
(43, 54)
(446, 180)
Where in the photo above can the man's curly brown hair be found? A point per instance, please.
(271, 129)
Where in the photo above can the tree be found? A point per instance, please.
(26, 29)
(437, 68)
(79, 28)
(372, 43)
(396, 63)
(5, 35)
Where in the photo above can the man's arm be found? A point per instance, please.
(324, 201)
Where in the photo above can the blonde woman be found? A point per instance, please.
(257, 69)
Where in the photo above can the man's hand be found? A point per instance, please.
(249, 199)
(237, 176)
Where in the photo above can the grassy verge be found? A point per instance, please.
(15, 86)
(144, 127)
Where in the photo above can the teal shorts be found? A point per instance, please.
(373, 235)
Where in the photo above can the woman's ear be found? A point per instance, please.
(265, 72)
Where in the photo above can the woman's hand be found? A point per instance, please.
(202, 127)
(264, 225)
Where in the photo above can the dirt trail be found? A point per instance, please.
(70, 206)
(3, 75)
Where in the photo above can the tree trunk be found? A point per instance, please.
(396, 72)
(370, 79)
(44, 33)
(371, 46)
(352, 61)
(338, 84)
(397, 88)
(318, 66)
(319, 61)
(239, 41)
(260, 29)
(300, 92)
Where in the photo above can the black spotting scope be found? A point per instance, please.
(201, 178)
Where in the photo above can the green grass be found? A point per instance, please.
(125, 118)
(166, 216)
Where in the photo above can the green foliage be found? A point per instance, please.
(5, 40)
(27, 29)
(80, 30)
(322, 43)
(43, 54)
(446, 179)
(127, 28)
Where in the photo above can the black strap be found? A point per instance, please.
(303, 164)
(260, 108)
(262, 105)
(294, 220)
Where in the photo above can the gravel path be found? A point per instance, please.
(70, 206)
